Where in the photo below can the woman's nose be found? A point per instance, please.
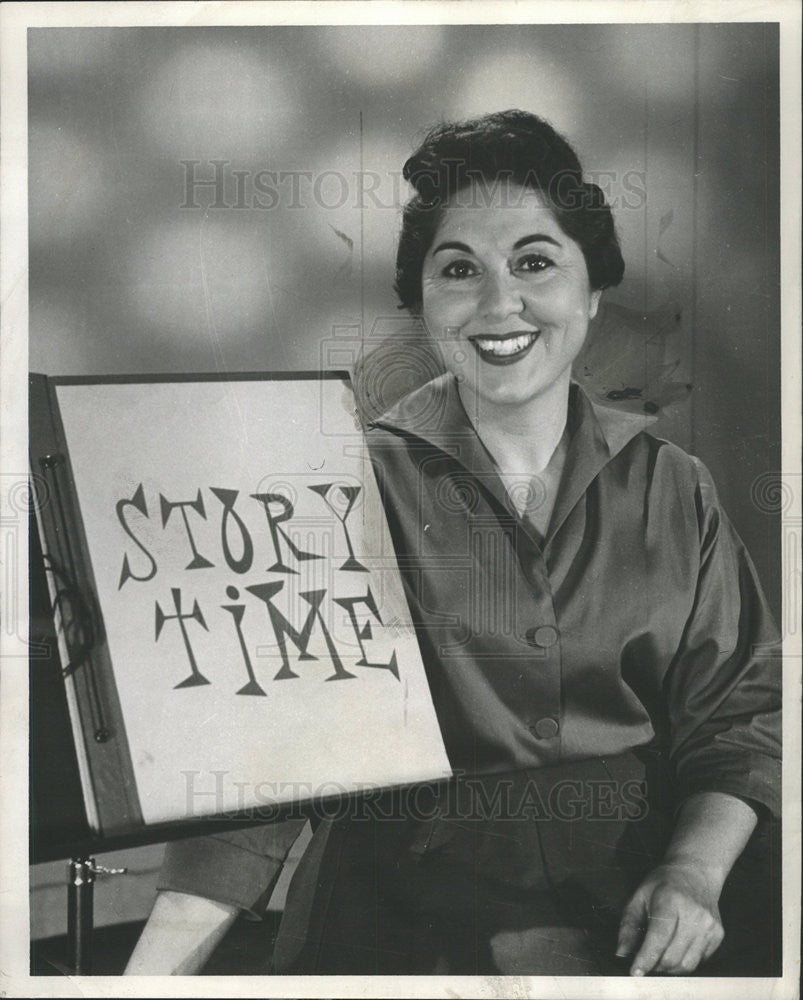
(501, 296)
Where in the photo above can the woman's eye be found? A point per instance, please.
(533, 263)
(459, 269)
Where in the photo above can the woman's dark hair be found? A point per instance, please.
(505, 146)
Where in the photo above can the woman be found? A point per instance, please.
(589, 621)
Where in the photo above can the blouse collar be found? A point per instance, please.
(435, 414)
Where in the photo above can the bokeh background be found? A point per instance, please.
(288, 262)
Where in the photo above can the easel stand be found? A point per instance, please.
(80, 911)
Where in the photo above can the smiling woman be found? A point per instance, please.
(505, 280)
(588, 619)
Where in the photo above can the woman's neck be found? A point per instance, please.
(522, 436)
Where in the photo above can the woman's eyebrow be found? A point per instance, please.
(535, 238)
(462, 247)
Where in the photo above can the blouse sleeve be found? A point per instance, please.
(239, 868)
(724, 685)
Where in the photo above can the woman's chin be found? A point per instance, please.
(499, 392)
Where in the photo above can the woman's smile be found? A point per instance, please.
(504, 349)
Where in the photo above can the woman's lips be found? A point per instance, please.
(505, 350)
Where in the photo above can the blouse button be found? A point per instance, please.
(544, 636)
(545, 728)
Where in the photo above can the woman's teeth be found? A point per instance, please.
(504, 348)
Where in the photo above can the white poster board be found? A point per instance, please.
(258, 632)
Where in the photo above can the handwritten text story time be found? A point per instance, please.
(291, 589)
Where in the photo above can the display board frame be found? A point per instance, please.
(112, 808)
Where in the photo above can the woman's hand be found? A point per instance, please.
(677, 905)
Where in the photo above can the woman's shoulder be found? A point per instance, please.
(669, 468)
(678, 460)
(633, 437)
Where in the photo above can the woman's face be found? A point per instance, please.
(506, 295)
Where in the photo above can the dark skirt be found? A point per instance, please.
(522, 873)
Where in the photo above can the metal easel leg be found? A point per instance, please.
(80, 900)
